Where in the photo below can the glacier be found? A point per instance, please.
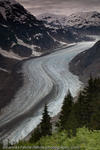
(46, 80)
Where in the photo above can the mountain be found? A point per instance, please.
(26, 35)
(88, 22)
(10, 80)
(56, 28)
(87, 63)
(74, 27)
(21, 32)
(74, 20)
(21, 35)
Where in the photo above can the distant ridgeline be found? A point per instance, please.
(24, 34)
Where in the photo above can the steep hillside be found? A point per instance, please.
(71, 28)
(56, 27)
(87, 62)
(10, 80)
(20, 31)
(85, 21)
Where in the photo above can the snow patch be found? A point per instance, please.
(38, 36)
(77, 19)
(10, 54)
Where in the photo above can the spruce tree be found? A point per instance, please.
(95, 117)
(87, 102)
(36, 135)
(95, 120)
(84, 109)
(81, 110)
(72, 124)
(46, 126)
(87, 107)
(65, 111)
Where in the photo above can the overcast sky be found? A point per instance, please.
(63, 7)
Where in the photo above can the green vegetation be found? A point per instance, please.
(45, 127)
(88, 105)
(65, 111)
(78, 126)
(84, 140)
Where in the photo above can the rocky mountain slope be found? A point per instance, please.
(21, 36)
(21, 32)
(26, 35)
(10, 80)
(87, 63)
(74, 27)
(56, 28)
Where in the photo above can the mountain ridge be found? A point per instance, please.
(73, 28)
(18, 26)
(87, 63)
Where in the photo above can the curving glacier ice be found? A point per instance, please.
(46, 80)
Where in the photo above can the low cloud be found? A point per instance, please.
(63, 7)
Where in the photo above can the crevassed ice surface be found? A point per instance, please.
(46, 80)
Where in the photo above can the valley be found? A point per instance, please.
(46, 80)
(41, 58)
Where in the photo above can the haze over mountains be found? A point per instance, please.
(26, 35)
(72, 28)
(60, 7)
(77, 20)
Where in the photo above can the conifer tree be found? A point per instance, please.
(95, 120)
(80, 110)
(87, 107)
(84, 109)
(36, 135)
(65, 111)
(72, 124)
(46, 126)
(87, 102)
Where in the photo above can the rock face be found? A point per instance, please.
(23, 34)
(87, 62)
(56, 28)
(74, 27)
(85, 21)
(10, 80)
(19, 28)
